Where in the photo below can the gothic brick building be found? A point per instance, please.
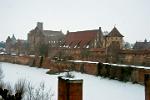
(93, 39)
(92, 44)
(38, 37)
(84, 39)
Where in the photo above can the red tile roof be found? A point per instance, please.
(80, 38)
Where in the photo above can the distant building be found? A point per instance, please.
(114, 37)
(2, 46)
(14, 46)
(21, 46)
(93, 39)
(142, 45)
(10, 44)
(84, 39)
(93, 44)
(38, 36)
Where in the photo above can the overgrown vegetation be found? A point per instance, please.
(40, 93)
(52, 72)
(23, 90)
(41, 60)
(85, 53)
(43, 50)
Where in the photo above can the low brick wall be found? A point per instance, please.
(118, 72)
(91, 68)
(128, 73)
(24, 60)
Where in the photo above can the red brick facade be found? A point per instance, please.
(147, 87)
(70, 89)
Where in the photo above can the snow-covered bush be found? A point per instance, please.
(69, 75)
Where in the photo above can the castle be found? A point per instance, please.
(38, 36)
(93, 45)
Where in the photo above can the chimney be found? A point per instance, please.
(67, 32)
(40, 25)
(147, 86)
(145, 40)
(100, 29)
(69, 89)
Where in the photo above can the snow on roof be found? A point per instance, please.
(120, 65)
(2, 53)
(80, 61)
(123, 65)
(75, 79)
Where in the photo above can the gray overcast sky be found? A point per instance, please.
(132, 17)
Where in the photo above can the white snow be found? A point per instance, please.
(120, 65)
(81, 61)
(94, 88)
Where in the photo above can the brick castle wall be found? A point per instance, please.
(127, 73)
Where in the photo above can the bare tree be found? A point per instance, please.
(39, 93)
(9, 88)
(20, 89)
(2, 84)
(30, 91)
(69, 74)
(1, 72)
(24, 90)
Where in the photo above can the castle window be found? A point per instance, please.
(75, 46)
(87, 46)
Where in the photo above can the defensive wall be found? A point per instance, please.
(125, 73)
(135, 57)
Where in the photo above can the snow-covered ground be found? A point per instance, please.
(94, 88)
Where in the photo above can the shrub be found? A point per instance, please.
(69, 75)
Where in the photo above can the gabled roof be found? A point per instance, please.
(22, 41)
(35, 31)
(80, 38)
(52, 33)
(141, 45)
(8, 39)
(115, 33)
(13, 38)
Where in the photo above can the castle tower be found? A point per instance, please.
(114, 37)
(40, 25)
